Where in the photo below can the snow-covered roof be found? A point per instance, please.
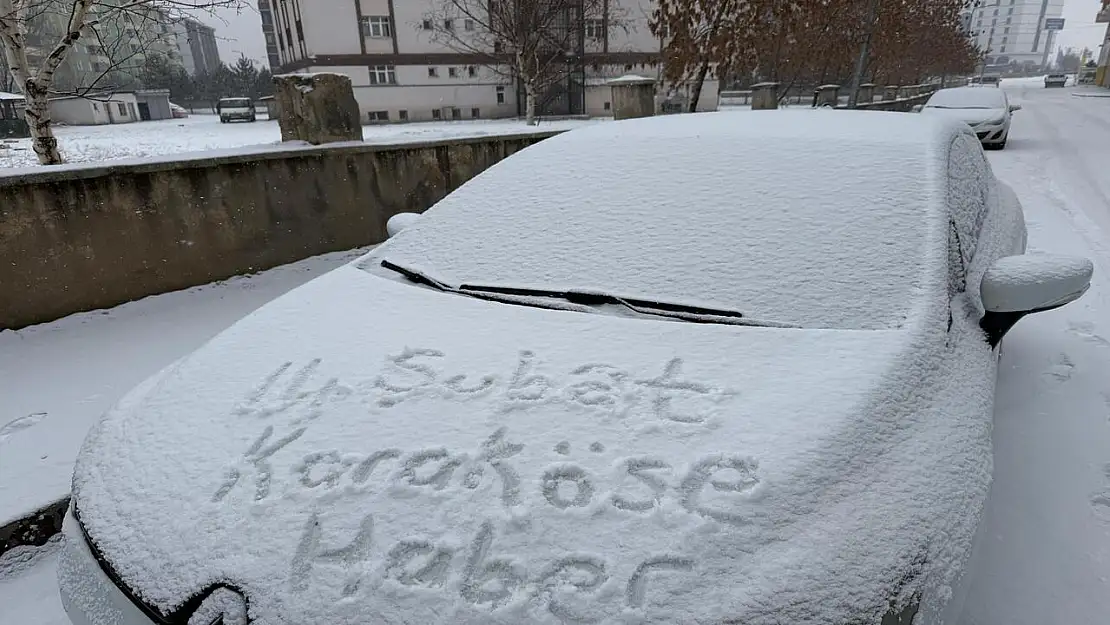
(10, 96)
(631, 79)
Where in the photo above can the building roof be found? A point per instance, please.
(4, 95)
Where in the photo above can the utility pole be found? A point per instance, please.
(864, 51)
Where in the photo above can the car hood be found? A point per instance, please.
(367, 450)
(969, 116)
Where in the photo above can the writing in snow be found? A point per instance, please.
(668, 394)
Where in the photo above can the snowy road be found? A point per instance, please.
(1044, 556)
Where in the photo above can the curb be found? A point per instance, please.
(35, 529)
(1090, 95)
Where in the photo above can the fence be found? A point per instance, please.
(871, 97)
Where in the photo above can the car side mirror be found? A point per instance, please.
(1016, 286)
(399, 222)
(917, 108)
(1015, 107)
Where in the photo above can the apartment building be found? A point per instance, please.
(1012, 31)
(401, 72)
(196, 45)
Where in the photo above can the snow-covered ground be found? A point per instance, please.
(56, 378)
(86, 144)
(1044, 553)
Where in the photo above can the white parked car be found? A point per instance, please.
(987, 111)
(639, 372)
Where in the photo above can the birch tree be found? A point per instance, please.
(537, 42)
(118, 29)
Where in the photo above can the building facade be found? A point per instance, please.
(1102, 74)
(401, 72)
(1012, 32)
(196, 44)
(269, 33)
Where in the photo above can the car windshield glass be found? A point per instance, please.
(237, 102)
(822, 230)
(967, 98)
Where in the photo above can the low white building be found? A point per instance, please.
(118, 108)
(400, 72)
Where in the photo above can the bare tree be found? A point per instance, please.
(537, 42)
(38, 36)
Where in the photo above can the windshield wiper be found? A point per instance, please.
(588, 299)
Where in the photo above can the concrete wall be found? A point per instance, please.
(82, 238)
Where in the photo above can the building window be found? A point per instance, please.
(135, 48)
(595, 29)
(1002, 49)
(122, 108)
(448, 24)
(378, 116)
(403, 115)
(1006, 30)
(498, 47)
(468, 24)
(433, 72)
(377, 26)
(427, 25)
(456, 113)
(96, 107)
(628, 67)
(452, 72)
(472, 71)
(437, 114)
(383, 75)
(475, 113)
(1003, 41)
(607, 106)
(500, 95)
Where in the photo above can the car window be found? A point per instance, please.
(968, 189)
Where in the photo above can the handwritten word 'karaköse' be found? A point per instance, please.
(642, 483)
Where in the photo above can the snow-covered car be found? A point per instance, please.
(722, 367)
(232, 109)
(987, 111)
(178, 112)
(1056, 80)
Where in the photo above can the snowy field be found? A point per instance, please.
(1044, 552)
(86, 144)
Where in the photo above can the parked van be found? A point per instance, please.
(231, 109)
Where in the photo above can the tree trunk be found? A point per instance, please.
(864, 51)
(530, 103)
(37, 114)
(699, 80)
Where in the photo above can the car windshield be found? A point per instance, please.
(235, 103)
(790, 233)
(967, 98)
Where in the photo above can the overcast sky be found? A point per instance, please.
(240, 33)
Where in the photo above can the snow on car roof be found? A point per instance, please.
(793, 217)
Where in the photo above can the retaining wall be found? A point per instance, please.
(79, 238)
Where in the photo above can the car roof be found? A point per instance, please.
(761, 211)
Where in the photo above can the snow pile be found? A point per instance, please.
(344, 455)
